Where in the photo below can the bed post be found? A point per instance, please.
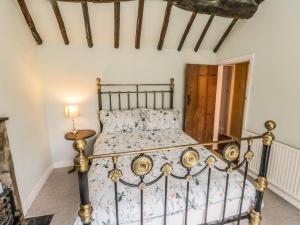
(81, 163)
(98, 80)
(99, 90)
(261, 182)
(172, 86)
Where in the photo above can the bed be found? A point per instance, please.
(156, 174)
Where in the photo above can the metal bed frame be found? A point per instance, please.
(142, 163)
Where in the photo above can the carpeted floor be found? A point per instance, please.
(60, 197)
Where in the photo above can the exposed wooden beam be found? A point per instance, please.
(96, 1)
(242, 9)
(2, 119)
(139, 23)
(117, 8)
(30, 22)
(233, 22)
(199, 42)
(187, 30)
(60, 21)
(87, 24)
(165, 26)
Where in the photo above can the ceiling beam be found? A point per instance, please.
(3, 119)
(229, 28)
(187, 30)
(139, 23)
(60, 21)
(117, 8)
(165, 25)
(199, 42)
(242, 9)
(87, 24)
(30, 22)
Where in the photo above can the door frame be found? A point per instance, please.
(239, 59)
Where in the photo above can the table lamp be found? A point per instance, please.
(72, 111)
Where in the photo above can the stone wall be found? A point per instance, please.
(7, 173)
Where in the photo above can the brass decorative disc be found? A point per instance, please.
(141, 165)
(189, 158)
(231, 152)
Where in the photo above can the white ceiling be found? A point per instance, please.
(102, 24)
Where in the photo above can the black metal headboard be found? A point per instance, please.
(138, 93)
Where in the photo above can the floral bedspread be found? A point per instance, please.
(102, 188)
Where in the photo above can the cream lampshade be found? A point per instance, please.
(72, 111)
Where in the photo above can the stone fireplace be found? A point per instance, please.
(8, 178)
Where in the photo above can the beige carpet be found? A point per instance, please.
(60, 197)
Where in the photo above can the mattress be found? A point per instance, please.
(102, 188)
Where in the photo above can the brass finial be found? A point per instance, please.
(270, 125)
(172, 84)
(268, 137)
(98, 83)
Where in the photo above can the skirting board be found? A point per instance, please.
(283, 176)
(36, 189)
(38, 186)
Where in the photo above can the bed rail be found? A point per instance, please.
(137, 92)
(142, 164)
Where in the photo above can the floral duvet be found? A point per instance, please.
(102, 188)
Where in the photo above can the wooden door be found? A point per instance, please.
(240, 76)
(200, 100)
(225, 99)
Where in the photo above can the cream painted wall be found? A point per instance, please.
(70, 74)
(22, 99)
(273, 36)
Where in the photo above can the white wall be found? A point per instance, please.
(22, 100)
(70, 74)
(273, 36)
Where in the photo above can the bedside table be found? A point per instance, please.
(81, 134)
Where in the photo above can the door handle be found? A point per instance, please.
(188, 100)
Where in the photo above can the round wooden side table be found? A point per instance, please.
(80, 134)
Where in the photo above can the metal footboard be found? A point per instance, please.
(142, 164)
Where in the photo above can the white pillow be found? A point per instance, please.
(161, 119)
(121, 121)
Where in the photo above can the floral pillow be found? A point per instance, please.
(161, 119)
(121, 121)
